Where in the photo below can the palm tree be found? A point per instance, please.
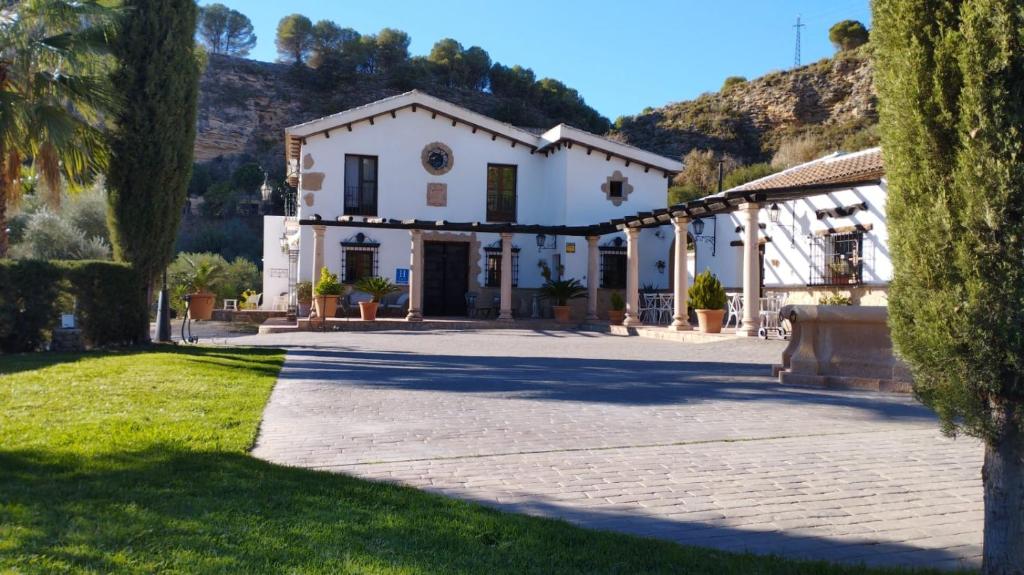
(53, 95)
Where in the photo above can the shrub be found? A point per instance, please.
(108, 298)
(744, 174)
(835, 299)
(733, 81)
(329, 284)
(707, 292)
(561, 291)
(797, 151)
(233, 278)
(377, 287)
(618, 303)
(29, 307)
(847, 35)
(48, 236)
(304, 292)
(110, 302)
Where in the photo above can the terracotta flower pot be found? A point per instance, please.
(326, 305)
(710, 320)
(201, 306)
(561, 313)
(368, 310)
(616, 316)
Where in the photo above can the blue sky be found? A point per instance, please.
(622, 56)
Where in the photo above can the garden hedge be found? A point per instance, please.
(109, 300)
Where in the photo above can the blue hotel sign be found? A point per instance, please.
(402, 276)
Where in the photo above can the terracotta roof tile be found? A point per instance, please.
(854, 168)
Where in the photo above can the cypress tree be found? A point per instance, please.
(950, 79)
(151, 148)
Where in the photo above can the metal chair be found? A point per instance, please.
(735, 309)
(398, 304)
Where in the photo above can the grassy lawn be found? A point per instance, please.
(137, 462)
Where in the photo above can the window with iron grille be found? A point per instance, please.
(501, 193)
(359, 258)
(613, 263)
(838, 259)
(360, 185)
(493, 253)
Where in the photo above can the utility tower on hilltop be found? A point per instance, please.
(796, 57)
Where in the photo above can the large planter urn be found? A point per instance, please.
(561, 313)
(710, 320)
(368, 310)
(616, 316)
(326, 305)
(201, 305)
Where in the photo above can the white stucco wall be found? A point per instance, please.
(787, 256)
(274, 261)
(563, 188)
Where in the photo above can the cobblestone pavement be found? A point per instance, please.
(689, 442)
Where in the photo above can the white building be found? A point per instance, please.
(417, 157)
(821, 229)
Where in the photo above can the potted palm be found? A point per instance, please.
(203, 277)
(378, 288)
(304, 297)
(617, 314)
(327, 291)
(561, 291)
(708, 297)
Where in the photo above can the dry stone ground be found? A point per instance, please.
(689, 442)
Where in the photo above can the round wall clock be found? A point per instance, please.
(437, 158)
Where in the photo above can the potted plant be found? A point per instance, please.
(378, 288)
(708, 297)
(304, 297)
(841, 270)
(327, 291)
(202, 279)
(617, 314)
(561, 291)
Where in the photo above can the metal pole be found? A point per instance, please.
(163, 314)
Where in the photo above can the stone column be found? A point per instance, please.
(415, 277)
(505, 308)
(681, 317)
(318, 252)
(592, 278)
(751, 271)
(632, 278)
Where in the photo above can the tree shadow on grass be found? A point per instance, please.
(164, 509)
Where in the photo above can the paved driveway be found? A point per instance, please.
(688, 442)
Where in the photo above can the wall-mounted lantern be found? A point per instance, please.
(698, 227)
(541, 239)
(661, 266)
(773, 213)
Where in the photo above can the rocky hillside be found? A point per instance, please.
(244, 105)
(833, 99)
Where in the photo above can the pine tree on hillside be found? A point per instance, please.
(158, 76)
(950, 79)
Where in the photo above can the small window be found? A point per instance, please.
(613, 270)
(493, 270)
(615, 189)
(360, 185)
(359, 258)
(838, 259)
(501, 193)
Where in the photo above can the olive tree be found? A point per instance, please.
(950, 79)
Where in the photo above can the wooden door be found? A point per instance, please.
(445, 278)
